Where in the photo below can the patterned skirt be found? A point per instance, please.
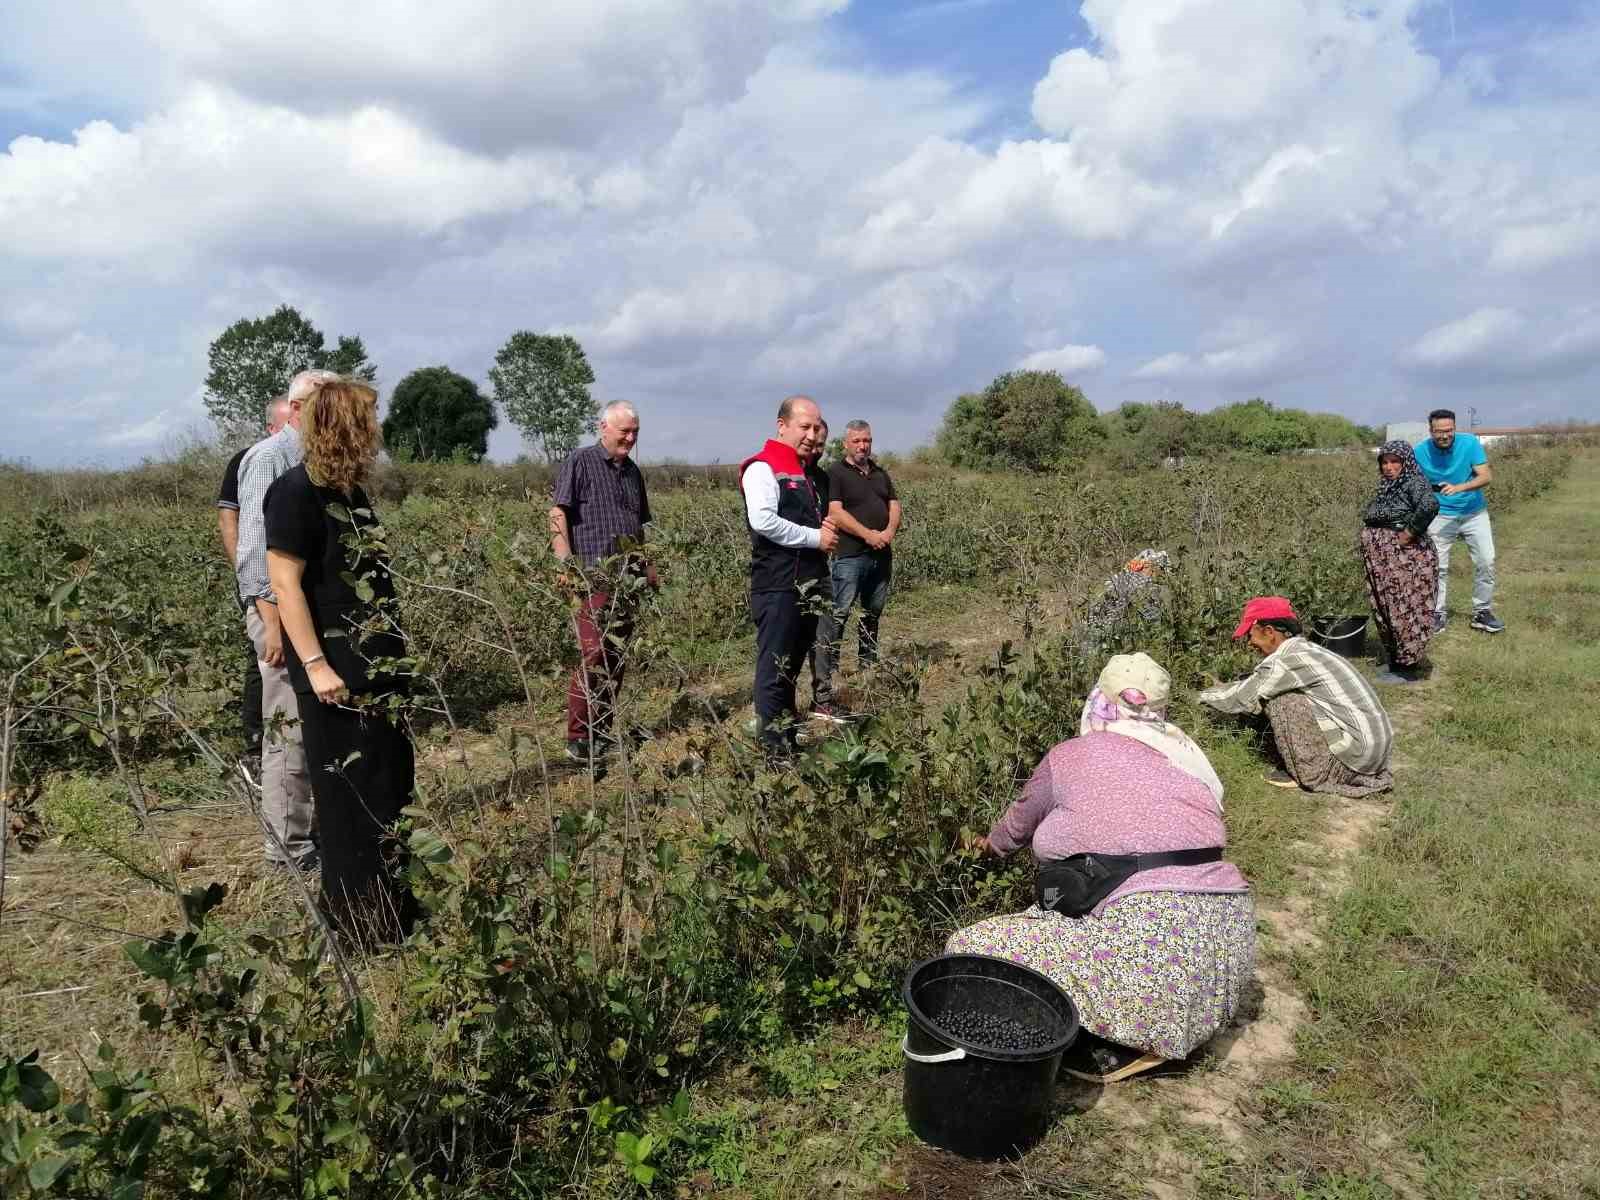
(1304, 749)
(1159, 971)
(1403, 583)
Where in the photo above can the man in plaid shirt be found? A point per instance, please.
(599, 510)
(1330, 729)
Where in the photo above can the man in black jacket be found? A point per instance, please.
(790, 538)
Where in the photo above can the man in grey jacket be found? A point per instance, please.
(285, 783)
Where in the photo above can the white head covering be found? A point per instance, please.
(1131, 699)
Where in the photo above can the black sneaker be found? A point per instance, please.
(1278, 777)
(578, 751)
(1487, 622)
(1440, 620)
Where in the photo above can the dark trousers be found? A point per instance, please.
(785, 633)
(362, 771)
(603, 630)
(865, 577)
(250, 706)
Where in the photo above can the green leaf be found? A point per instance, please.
(862, 979)
(45, 1171)
(36, 1090)
(617, 1051)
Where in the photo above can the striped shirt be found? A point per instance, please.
(1348, 710)
(261, 464)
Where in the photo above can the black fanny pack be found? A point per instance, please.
(1073, 886)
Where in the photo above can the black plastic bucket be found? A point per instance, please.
(981, 1101)
(1345, 636)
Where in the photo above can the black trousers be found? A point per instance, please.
(250, 705)
(785, 633)
(362, 771)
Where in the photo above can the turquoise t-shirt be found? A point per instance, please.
(1454, 466)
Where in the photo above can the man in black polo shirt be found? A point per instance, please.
(599, 511)
(863, 505)
(228, 530)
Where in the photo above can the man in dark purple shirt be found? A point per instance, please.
(598, 512)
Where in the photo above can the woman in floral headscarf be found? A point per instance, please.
(1402, 566)
(1135, 592)
(1160, 963)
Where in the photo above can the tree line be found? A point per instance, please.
(1024, 420)
(540, 380)
(1036, 421)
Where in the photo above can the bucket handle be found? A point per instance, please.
(955, 1055)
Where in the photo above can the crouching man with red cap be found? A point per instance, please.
(1330, 729)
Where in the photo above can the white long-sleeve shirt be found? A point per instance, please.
(761, 509)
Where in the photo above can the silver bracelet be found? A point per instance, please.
(315, 658)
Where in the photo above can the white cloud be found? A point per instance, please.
(1547, 244)
(480, 73)
(1503, 343)
(1243, 363)
(217, 173)
(1070, 360)
(139, 434)
(740, 298)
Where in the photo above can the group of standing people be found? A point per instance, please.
(317, 601)
(821, 542)
(1429, 497)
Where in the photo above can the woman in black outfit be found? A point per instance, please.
(339, 652)
(1402, 568)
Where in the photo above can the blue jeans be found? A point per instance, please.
(1475, 532)
(859, 576)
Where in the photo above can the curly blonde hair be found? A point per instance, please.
(340, 431)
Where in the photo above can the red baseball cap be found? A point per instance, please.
(1264, 608)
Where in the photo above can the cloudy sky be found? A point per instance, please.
(1368, 207)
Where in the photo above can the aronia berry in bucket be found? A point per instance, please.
(984, 1039)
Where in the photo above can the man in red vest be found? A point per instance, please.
(790, 538)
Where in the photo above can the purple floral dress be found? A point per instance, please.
(1163, 963)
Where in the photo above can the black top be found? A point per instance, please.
(604, 500)
(228, 496)
(819, 480)
(864, 497)
(349, 592)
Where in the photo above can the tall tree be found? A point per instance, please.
(542, 381)
(253, 360)
(1028, 420)
(436, 414)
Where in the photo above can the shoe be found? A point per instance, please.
(1100, 1061)
(1485, 620)
(1440, 620)
(1281, 778)
(578, 751)
(831, 712)
(1396, 675)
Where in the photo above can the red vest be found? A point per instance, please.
(775, 568)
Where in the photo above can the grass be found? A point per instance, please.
(1458, 990)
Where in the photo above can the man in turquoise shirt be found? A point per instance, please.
(1458, 469)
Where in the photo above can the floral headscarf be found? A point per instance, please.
(1130, 698)
(1406, 500)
